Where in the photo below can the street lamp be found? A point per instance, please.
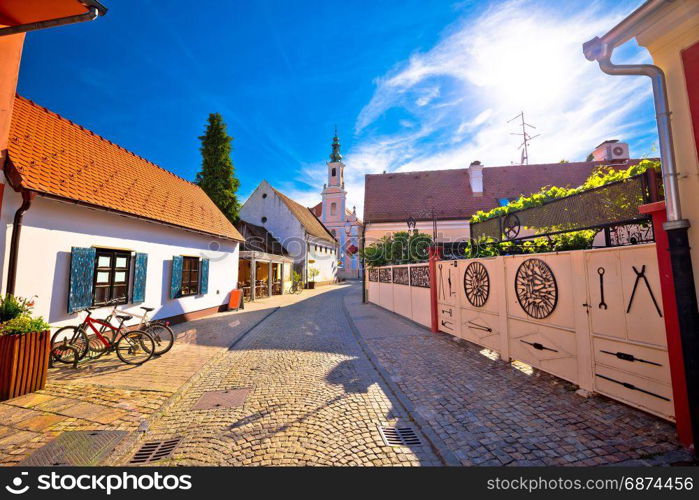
(411, 224)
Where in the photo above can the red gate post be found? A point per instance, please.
(672, 327)
(435, 254)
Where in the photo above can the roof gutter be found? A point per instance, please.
(600, 50)
(27, 198)
(95, 9)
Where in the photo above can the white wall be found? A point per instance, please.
(52, 227)
(281, 223)
(285, 227)
(325, 261)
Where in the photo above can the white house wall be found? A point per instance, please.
(325, 261)
(280, 222)
(52, 227)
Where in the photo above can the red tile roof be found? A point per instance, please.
(395, 197)
(57, 157)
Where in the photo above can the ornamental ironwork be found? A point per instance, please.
(373, 275)
(385, 275)
(420, 276)
(401, 276)
(610, 205)
(536, 288)
(476, 284)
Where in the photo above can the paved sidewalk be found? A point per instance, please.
(107, 394)
(487, 412)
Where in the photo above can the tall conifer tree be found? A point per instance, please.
(217, 175)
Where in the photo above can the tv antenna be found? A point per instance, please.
(526, 137)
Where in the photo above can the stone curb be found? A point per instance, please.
(124, 448)
(439, 447)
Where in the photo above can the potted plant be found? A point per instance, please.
(312, 273)
(25, 344)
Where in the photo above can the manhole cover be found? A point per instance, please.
(153, 451)
(230, 398)
(399, 436)
(76, 448)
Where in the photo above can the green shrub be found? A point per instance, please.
(399, 248)
(11, 307)
(16, 318)
(600, 176)
(23, 324)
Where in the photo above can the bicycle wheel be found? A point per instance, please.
(135, 347)
(163, 336)
(73, 336)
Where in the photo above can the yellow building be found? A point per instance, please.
(669, 29)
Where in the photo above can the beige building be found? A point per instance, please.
(671, 35)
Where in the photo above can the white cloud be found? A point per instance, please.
(458, 96)
(518, 55)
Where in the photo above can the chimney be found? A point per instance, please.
(475, 175)
(611, 151)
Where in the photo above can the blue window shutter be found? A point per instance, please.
(82, 271)
(204, 288)
(139, 278)
(176, 277)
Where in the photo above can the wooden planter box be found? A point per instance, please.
(311, 285)
(24, 363)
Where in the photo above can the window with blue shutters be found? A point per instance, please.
(112, 277)
(139, 278)
(176, 277)
(190, 276)
(82, 272)
(204, 289)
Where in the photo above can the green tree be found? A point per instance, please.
(217, 175)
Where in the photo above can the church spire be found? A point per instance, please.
(335, 155)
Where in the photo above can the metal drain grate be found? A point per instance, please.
(153, 451)
(399, 436)
(230, 398)
(74, 448)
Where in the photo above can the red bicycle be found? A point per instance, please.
(72, 343)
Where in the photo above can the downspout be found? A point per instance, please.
(95, 9)
(600, 50)
(27, 198)
(363, 266)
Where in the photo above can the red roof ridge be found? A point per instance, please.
(440, 170)
(71, 122)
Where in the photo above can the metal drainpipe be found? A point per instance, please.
(95, 10)
(14, 244)
(363, 266)
(600, 50)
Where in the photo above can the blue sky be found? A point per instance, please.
(411, 84)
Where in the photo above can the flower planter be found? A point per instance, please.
(24, 362)
(311, 285)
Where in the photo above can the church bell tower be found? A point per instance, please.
(334, 193)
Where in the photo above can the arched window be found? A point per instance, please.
(333, 172)
(333, 208)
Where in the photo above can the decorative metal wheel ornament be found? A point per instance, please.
(536, 288)
(476, 284)
(511, 226)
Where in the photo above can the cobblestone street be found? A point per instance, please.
(320, 372)
(315, 398)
